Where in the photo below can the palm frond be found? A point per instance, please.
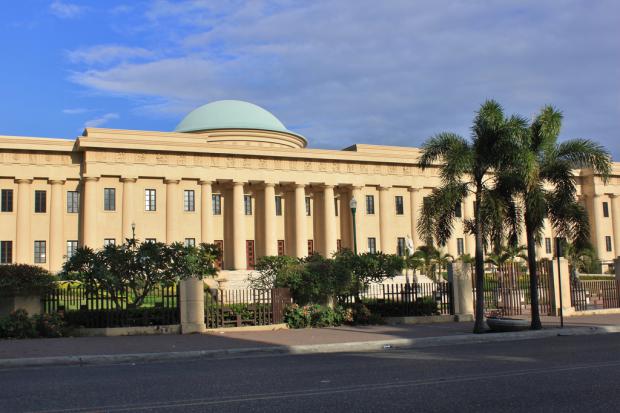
(584, 153)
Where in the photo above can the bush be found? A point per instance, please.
(23, 279)
(50, 325)
(313, 315)
(19, 325)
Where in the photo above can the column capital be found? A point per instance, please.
(128, 179)
(171, 181)
(413, 189)
(296, 185)
(383, 187)
(56, 181)
(239, 183)
(23, 181)
(269, 184)
(613, 196)
(205, 182)
(90, 178)
(326, 186)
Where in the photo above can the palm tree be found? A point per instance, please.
(580, 258)
(467, 166)
(426, 255)
(546, 185)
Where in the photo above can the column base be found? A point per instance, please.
(193, 328)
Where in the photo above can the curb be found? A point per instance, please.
(362, 346)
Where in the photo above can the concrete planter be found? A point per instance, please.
(31, 303)
(507, 324)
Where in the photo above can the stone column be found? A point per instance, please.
(386, 208)
(23, 209)
(329, 222)
(238, 223)
(56, 226)
(615, 217)
(192, 306)
(563, 273)
(463, 291)
(206, 211)
(415, 201)
(468, 213)
(89, 212)
(270, 244)
(301, 227)
(599, 233)
(362, 244)
(128, 209)
(172, 200)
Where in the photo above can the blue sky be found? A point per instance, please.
(338, 72)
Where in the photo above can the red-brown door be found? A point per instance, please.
(310, 247)
(249, 253)
(280, 247)
(219, 263)
(338, 245)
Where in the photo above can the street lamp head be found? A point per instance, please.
(353, 203)
(133, 226)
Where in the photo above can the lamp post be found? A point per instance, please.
(133, 232)
(353, 206)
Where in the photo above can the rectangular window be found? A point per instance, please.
(150, 200)
(308, 210)
(73, 202)
(278, 205)
(247, 204)
(39, 252)
(7, 200)
(310, 247)
(548, 245)
(249, 254)
(109, 241)
(605, 209)
(400, 246)
(6, 252)
(457, 210)
(190, 242)
(216, 200)
(189, 200)
(339, 245)
(153, 240)
(280, 247)
(608, 243)
(109, 199)
(370, 204)
(40, 201)
(460, 246)
(72, 245)
(400, 208)
(219, 262)
(372, 245)
(336, 206)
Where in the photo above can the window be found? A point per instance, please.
(310, 247)
(247, 204)
(400, 208)
(109, 199)
(336, 206)
(372, 245)
(189, 201)
(7, 200)
(457, 210)
(40, 202)
(370, 204)
(250, 256)
(605, 209)
(548, 245)
(219, 262)
(608, 243)
(190, 242)
(71, 247)
(73, 202)
(308, 210)
(400, 246)
(150, 200)
(278, 205)
(460, 247)
(339, 245)
(216, 200)
(280, 247)
(153, 240)
(6, 252)
(39, 252)
(109, 241)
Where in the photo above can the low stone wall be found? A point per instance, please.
(428, 319)
(127, 331)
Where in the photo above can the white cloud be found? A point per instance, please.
(65, 10)
(107, 53)
(74, 111)
(101, 120)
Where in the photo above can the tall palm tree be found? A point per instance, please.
(425, 255)
(468, 166)
(546, 184)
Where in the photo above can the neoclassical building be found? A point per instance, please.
(231, 173)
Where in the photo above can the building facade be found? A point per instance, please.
(231, 173)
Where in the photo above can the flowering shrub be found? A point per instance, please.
(19, 325)
(313, 315)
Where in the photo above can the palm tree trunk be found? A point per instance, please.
(479, 265)
(531, 263)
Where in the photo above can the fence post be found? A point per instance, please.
(555, 287)
(192, 306)
(463, 296)
(617, 268)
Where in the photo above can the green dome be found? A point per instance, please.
(230, 114)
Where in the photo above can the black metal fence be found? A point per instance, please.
(102, 308)
(412, 299)
(237, 308)
(593, 295)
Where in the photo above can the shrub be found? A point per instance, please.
(50, 325)
(23, 279)
(17, 325)
(313, 315)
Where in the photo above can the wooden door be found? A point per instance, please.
(249, 254)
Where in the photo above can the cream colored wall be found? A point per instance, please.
(8, 222)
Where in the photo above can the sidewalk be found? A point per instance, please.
(84, 350)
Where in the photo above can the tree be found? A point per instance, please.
(138, 267)
(273, 271)
(580, 258)
(545, 182)
(467, 166)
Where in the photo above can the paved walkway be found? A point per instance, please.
(84, 346)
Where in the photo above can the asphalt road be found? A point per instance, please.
(580, 374)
